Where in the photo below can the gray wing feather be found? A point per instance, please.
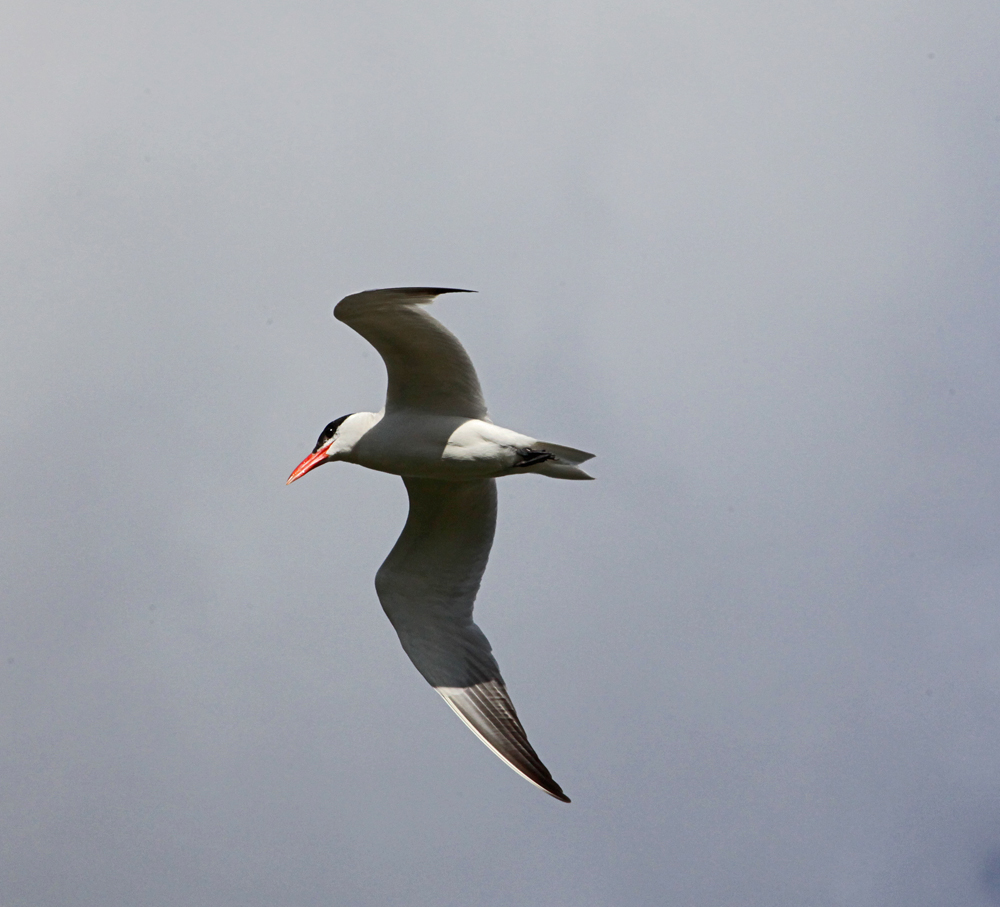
(428, 368)
(487, 710)
(427, 587)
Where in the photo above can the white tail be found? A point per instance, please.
(564, 466)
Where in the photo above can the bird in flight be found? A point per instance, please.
(435, 433)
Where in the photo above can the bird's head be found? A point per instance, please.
(335, 442)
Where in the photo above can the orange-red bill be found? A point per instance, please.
(311, 462)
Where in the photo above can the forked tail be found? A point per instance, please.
(565, 464)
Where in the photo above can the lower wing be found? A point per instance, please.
(428, 585)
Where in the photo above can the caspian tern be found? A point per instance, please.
(434, 431)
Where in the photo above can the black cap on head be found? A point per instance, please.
(329, 432)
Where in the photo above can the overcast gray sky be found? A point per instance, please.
(746, 253)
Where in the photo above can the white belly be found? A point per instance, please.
(439, 447)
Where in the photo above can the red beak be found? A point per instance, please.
(310, 462)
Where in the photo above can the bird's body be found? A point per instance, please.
(435, 432)
(406, 442)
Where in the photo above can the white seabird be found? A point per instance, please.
(434, 431)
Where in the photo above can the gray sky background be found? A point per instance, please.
(746, 253)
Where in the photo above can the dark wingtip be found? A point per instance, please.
(359, 302)
(549, 784)
(431, 291)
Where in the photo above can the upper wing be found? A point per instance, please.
(427, 586)
(428, 368)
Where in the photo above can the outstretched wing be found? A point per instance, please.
(427, 587)
(428, 368)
